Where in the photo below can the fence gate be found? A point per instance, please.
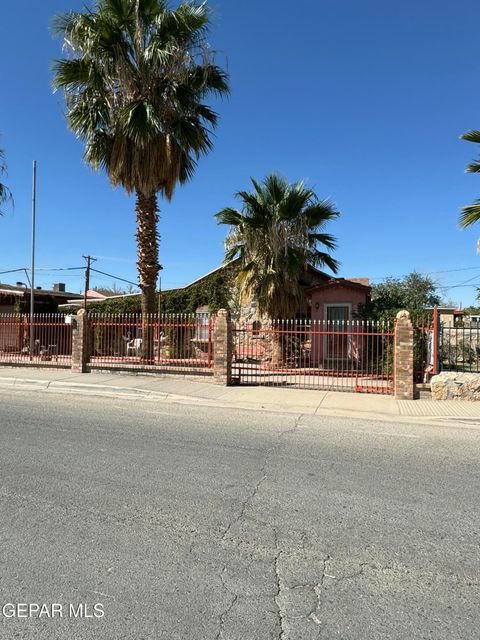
(333, 355)
(44, 339)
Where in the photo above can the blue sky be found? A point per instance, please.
(366, 100)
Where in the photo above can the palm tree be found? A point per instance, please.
(471, 213)
(276, 234)
(135, 82)
(5, 195)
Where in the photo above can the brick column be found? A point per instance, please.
(222, 349)
(403, 357)
(80, 342)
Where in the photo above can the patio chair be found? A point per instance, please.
(134, 346)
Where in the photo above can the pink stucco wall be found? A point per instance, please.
(336, 295)
(327, 349)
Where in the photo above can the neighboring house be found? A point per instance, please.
(16, 299)
(92, 296)
(448, 315)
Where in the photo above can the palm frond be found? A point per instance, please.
(470, 214)
(471, 136)
(473, 167)
(229, 216)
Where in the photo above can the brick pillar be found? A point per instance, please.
(403, 357)
(80, 342)
(222, 349)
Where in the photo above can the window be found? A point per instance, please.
(337, 312)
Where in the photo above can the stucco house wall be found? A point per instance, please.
(341, 294)
(343, 297)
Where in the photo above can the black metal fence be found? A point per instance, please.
(460, 349)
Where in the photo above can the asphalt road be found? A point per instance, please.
(192, 523)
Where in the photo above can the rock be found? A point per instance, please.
(454, 385)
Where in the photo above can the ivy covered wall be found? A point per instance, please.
(214, 291)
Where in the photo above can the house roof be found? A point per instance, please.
(11, 290)
(359, 283)
(453, 310)
(91, 293)
(92, 296)
(341, 282)
(310, 268)
(7, 290)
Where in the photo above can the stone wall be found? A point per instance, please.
(452, 385)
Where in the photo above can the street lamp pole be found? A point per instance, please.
(32, 279)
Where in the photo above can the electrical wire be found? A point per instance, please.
(135, 284)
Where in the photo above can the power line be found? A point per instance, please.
(12, 271)
(53, 269)
(427, 273)
(135, 284)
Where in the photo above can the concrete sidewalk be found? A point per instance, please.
(188, 390)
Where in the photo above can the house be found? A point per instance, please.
(447, 315)
(92, 296)
(326, 297)
(16, 299)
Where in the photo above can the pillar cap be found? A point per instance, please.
(403, 315)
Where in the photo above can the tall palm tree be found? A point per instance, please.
(471, 213)
(5, 194)
(276, 234)
(135, 81)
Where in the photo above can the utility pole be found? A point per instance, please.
(89, 260)
(32, 279)
(160, 269)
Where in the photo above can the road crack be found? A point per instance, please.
(316, 615)
(270, 451)
(279, 593)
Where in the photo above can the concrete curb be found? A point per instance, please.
(111, 391)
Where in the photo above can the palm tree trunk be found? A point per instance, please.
(148, 266)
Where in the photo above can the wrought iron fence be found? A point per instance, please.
(460, 349)
(180, 342)
(338, 355)
(51, 334)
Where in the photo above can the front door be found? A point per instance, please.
(337, 342)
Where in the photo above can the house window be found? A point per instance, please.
(338, 312)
